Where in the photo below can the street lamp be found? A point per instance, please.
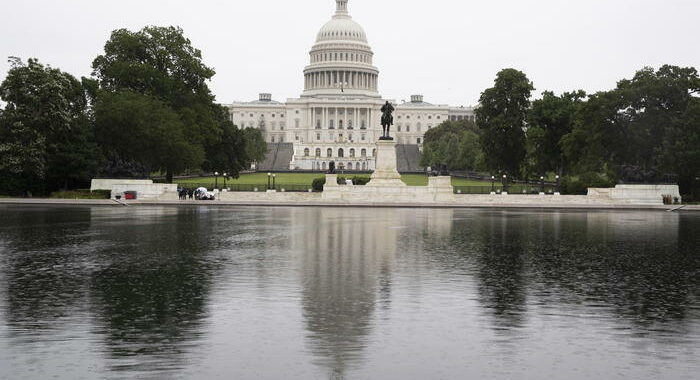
(216, 180)
(225, 175)
(558, 189)
(274, 177)
(269, 177)
(541, 184)
(493, 185)
(505, 183)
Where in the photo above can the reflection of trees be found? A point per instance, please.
(141, 272)
(345, 267)
(43, 272)
(151, 297)
(499, 259)
(625, 263)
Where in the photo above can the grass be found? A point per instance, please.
(307, 178)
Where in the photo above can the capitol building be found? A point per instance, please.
(337, 117)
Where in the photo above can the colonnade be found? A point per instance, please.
(354, 114)
(333, 79)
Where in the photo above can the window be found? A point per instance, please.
(318, 137)
(352, 153)
(350, 136)
(408, 128)
(297, 112)
(282, 125)
(430, 117)
(398, 128)
(340, 124)
(331, 124)
(306, 152)
(318, 124)
(438, 117)
(296, 123)
(318, 152)
(418, 140)
(363, 125)
(341, 153)
(273, 125)
(349, 124)
(272, 139)
(329, 153)
(363, 153)
(363, 137)
(273, 115)
(251, 115)
(296, 136)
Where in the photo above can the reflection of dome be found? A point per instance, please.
(341, 59)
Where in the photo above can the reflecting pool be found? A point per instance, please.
(344, 293)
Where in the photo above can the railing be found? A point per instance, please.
(240, 188)
(511, 189)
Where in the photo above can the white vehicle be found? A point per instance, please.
(202, 194)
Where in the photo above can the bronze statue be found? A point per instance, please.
(331, 167)
(387, 120)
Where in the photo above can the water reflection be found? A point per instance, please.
(143, 274)
(345, 269)
(347, 293)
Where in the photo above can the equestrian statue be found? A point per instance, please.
(387, 121)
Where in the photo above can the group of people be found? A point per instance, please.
(185, 193)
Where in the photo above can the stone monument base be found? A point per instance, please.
(385, 173)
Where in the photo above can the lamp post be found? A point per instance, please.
(493, 185)
(216, 180)
(269, 177)
(225, 175)
(274, 186)
(558, 184)
(541, 184)
(505, 183)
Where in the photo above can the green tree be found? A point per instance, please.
(45, 130)
(549, 120)
(452, 143)
(643, 123)
(501, 117)
(142, 128)
(161, 64)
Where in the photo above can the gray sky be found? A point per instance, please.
(447, 50)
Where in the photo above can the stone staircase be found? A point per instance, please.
(278, 157)
(408, 158)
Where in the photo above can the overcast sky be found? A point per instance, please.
(447, 50)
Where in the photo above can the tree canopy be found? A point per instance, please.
(501, 117)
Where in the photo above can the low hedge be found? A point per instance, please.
(578, 185)
(81, 194)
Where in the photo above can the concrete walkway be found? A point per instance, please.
(503, 205)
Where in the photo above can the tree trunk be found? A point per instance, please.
(169, 176)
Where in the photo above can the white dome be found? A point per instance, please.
(341, 28)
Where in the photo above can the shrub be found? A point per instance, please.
(82, 194)
(578, 185)
(318, 184)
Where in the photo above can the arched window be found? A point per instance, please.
(352, 153)
(306, 152)
(341, 152)
(364, 166)
(323, 166)
(363, 153)
(329, 152)
(374, 153)
(318, 152)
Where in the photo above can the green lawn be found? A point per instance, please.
(307, 178)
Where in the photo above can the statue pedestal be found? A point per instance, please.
(385, 173)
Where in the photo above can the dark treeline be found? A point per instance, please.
(147, 108)
(646, 130)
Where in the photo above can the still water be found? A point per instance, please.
(323, 293)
